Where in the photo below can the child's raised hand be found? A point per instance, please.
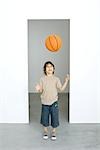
(37, 87)
(67, 78)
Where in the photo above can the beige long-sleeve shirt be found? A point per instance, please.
(49, 88)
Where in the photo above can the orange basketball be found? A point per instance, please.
(53, 43)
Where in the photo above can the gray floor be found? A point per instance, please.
(69, 136)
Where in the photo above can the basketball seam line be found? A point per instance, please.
(56, 42)
(51, 44)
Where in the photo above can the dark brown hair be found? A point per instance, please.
(46, 63)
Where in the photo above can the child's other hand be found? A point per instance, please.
(67, 78)
(37, 87)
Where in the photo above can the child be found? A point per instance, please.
(48, 85)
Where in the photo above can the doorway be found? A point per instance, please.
(38, 54)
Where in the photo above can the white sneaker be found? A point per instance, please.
(45, 136)
(53, 137)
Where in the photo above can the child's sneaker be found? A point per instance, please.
(53, 136)
(45, 136)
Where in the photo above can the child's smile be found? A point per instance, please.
(49, 69)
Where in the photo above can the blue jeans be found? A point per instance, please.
(47, 111)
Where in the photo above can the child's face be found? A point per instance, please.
(49, 69)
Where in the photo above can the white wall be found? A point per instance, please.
(13, 66)
(84, 64)
(84, 58)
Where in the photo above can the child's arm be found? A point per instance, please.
(39, 86)
(62, 87)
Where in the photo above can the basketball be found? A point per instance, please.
(53, 43)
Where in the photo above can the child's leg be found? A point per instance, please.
(45, 116)
(45, 134)
(53, 134)
(45, 129)
(45, 120)
(53, 130)
(54, 119)
(54, 116)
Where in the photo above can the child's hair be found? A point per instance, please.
(46, 63)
